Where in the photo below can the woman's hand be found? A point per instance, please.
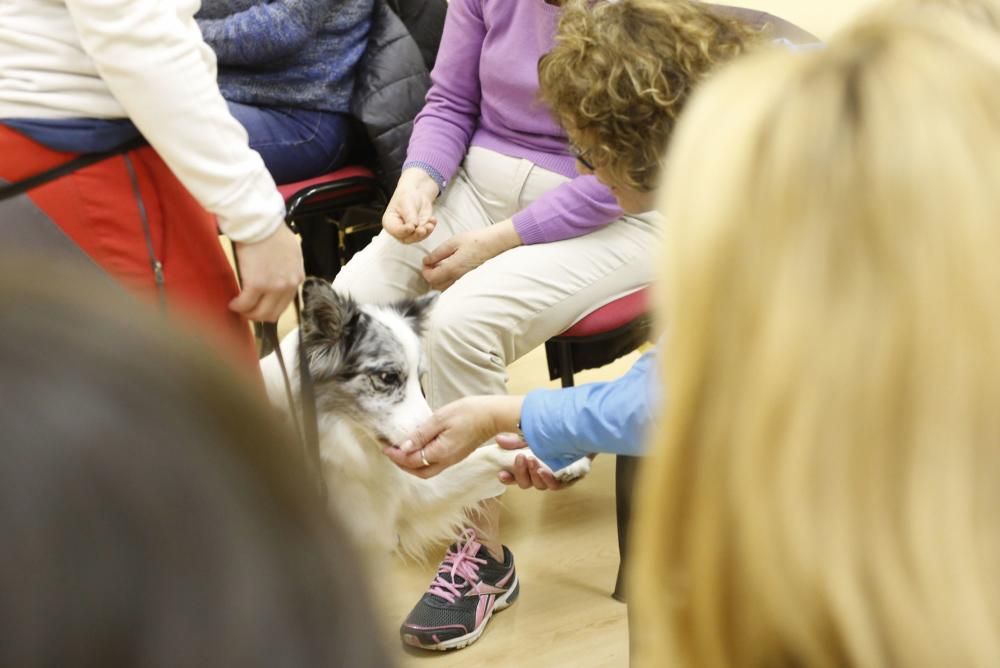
(467, 250)
(454, 431)
(272, 272)
(409, 216)
(528, 471)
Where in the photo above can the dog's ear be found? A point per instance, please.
(415, 310)
(326, 314)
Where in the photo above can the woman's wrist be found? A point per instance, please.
(502, 237)
(418, 178)
(504, 412)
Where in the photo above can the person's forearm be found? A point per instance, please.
(570, 210)
(418, 178)
(157, 70)
(504, 412)
(501, 237)
(563, 425)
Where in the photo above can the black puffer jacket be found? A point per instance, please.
(393, 77)
(425, 21)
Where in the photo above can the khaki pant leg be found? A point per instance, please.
(515, 302)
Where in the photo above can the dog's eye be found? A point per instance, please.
(388, 377)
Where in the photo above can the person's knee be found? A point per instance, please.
(384, 271)
(460, 330)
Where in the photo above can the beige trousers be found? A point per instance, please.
(514, 302)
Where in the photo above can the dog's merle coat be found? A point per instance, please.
(365, 363)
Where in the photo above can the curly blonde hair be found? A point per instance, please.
(620, 73)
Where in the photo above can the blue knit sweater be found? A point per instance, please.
(287, 53)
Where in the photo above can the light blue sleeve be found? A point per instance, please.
(563, 425)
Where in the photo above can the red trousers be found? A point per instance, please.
(98, 209)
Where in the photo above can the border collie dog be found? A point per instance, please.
(365, 361)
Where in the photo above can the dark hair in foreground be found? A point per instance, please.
(152, 511)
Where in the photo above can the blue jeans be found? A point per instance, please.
(295, 144)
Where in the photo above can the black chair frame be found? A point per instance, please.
(567, 355)
(313, 213)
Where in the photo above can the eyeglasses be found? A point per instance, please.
(581, 157)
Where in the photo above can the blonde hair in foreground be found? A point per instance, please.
(986, 13)
(825, 488)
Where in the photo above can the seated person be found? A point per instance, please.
(287, 70)
(582, 81)
(491, 210)
(824, 487)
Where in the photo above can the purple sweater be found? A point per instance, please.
(485, 93)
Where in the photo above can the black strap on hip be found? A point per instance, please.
(79, 162)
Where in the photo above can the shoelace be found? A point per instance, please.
(462, 563)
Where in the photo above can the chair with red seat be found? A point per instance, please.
(600, 337)
(336, 214)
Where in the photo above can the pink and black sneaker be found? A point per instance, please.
(470, 586)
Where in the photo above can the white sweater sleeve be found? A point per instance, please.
(160, 71)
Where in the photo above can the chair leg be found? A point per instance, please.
(565, 356)
(625, 471)
(320, 247)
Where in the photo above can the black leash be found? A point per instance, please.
(306, 425)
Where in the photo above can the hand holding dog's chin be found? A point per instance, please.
(454, 431)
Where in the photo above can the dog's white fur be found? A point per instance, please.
(382, 506)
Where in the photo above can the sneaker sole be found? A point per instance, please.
(502, 603)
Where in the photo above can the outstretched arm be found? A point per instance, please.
(454, 431)
(559, 426)
(457, 429)
(563, 425)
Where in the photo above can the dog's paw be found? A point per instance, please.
(574, 471)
